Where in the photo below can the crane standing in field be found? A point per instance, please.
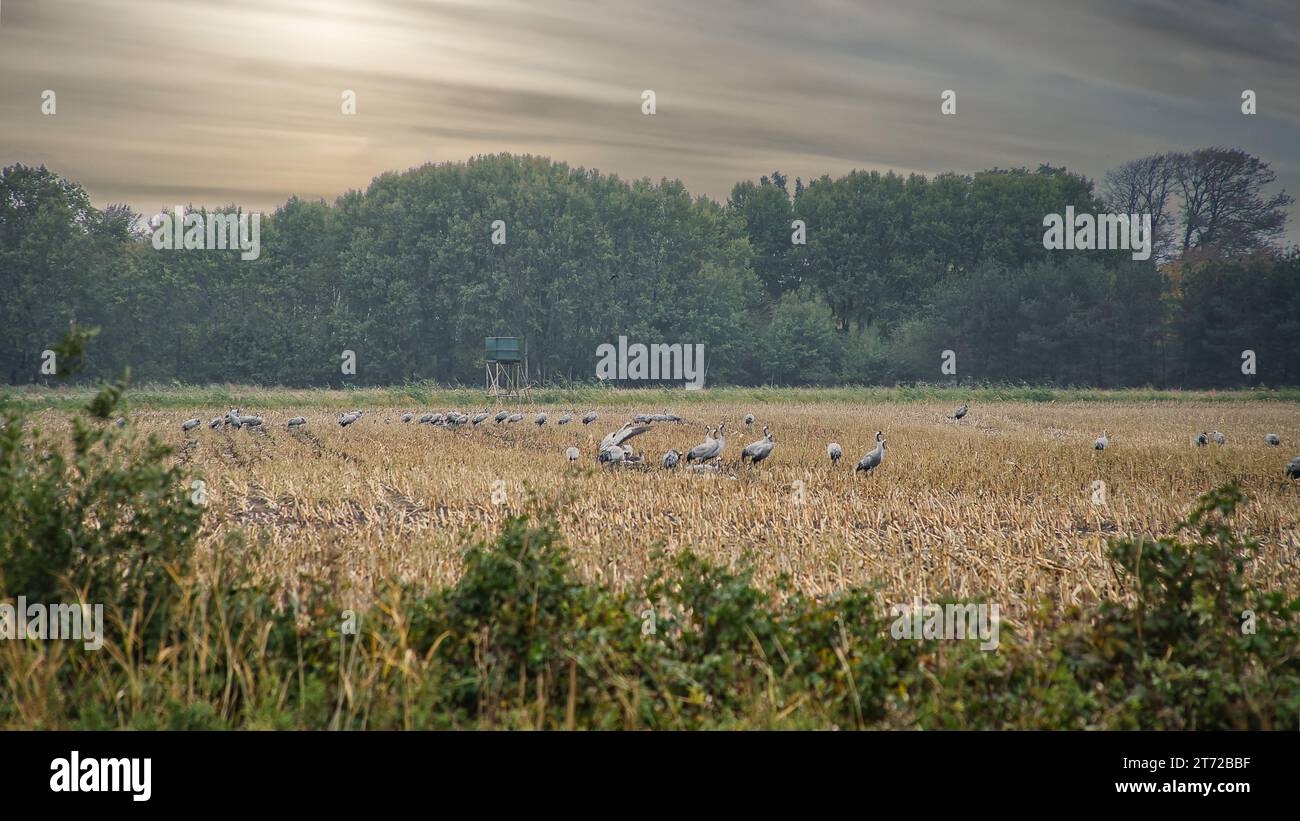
(756, 452)
(1102, 442)
(711, 448)
(873, 459)
(834, 451)
(961, 412)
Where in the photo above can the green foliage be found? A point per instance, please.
(800, 344)
(1230, 306)
(102, 519)
(405, 275)
(1197, 648)
(1084, 320)
(70, 352)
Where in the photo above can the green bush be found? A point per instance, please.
(102, 519)
(1198, 647)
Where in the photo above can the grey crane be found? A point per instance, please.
(612, 455)
(665, 417)
(346, 419)
(540, 419)
(1293, 469)
(190, 424)
(572, 454)
(565, 419)
(641, 418)
(1218, 438)
(711, 447)
(501, 417)
(589, 417)
(834, 451)
(749, 419)
(619, 437)
(671, 458)
(121, 421)
(250, 421)
(426, 419)
(873, 459)
(1101, 442)
(961, 412)
(408, 416)
(708, 446)
(297, 422)
(756, 452)
(1272, 439)
(214, 424)
(479, 417)
(1201, 440)
(514, 417)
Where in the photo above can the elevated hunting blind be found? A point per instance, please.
(503, 367)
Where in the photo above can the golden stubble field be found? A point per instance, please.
(1000, 505)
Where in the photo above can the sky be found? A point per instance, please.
(211, 102)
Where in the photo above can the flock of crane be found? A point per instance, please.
(615, 449)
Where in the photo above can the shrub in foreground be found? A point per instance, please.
(521, 641)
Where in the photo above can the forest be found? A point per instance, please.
(865, 278)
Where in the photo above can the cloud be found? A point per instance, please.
(240, 100)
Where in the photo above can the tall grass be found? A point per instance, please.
(432, 395)
(520, 642)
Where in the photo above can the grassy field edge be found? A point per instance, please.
(425, 394)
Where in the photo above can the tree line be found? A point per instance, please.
(862, 278)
